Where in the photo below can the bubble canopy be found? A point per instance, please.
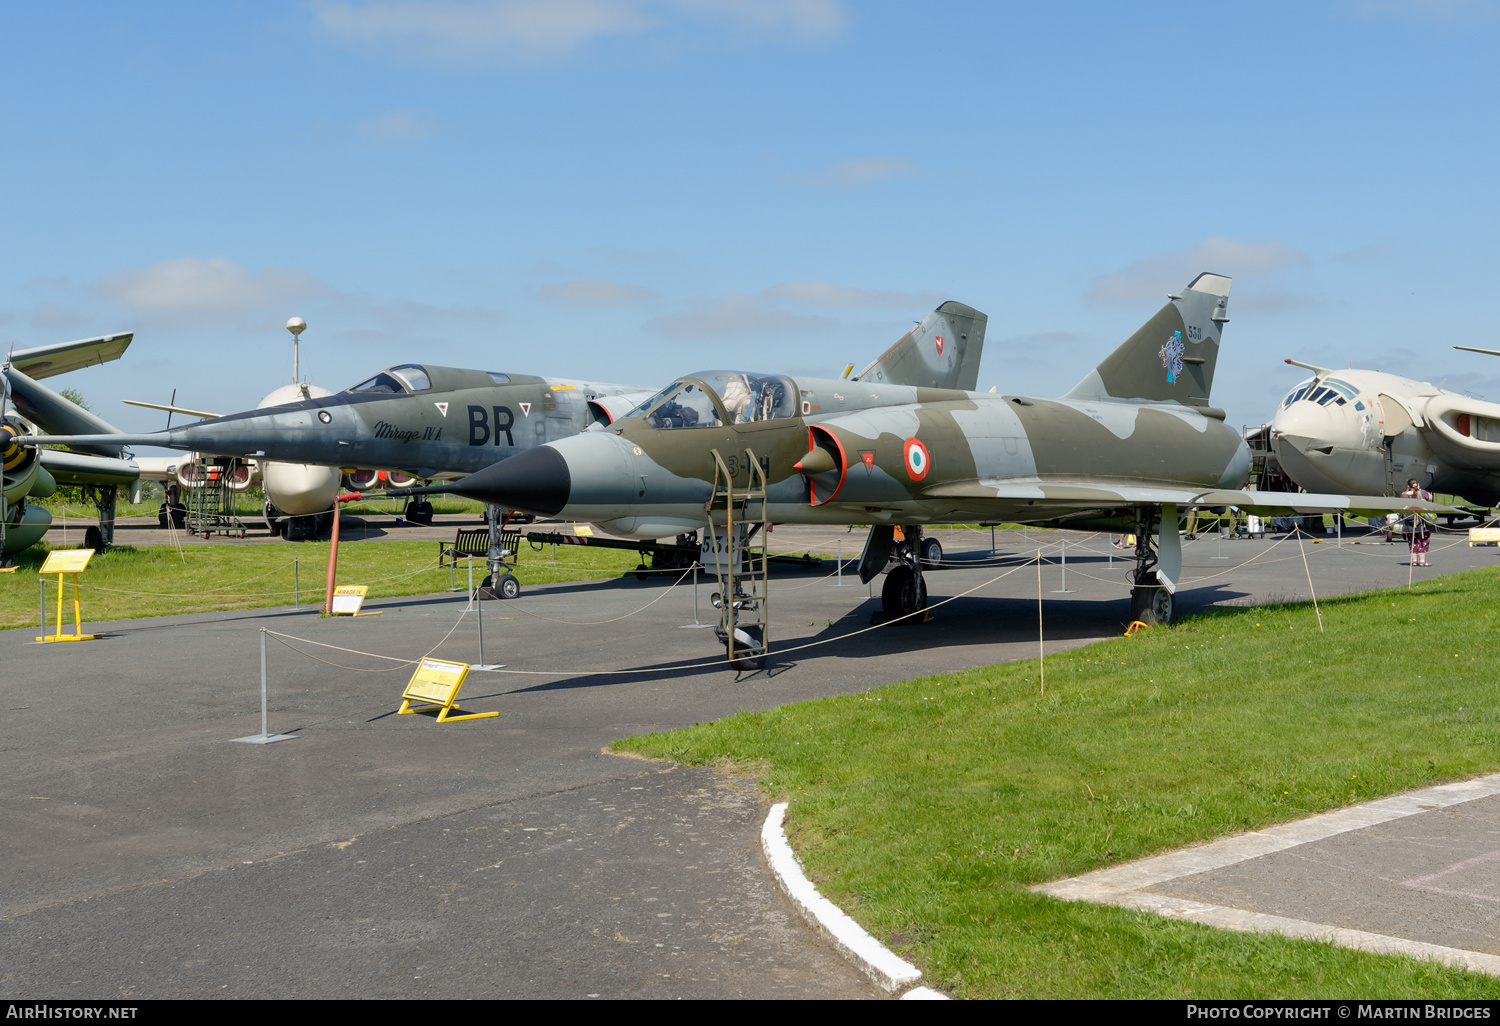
(406, 378)
(714, 398)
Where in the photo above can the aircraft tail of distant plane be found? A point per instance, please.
(941, 352)
(1172, 357)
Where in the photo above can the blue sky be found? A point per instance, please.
(632, 189)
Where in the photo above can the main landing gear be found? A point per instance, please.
(1153, 599)
(905, 592)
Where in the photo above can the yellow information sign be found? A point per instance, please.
(347, 598)
(1484, 535)
(66, 561)
(435, 685)
(60, 562)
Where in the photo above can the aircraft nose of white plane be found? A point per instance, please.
(1312, 430)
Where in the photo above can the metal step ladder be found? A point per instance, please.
(736, 514)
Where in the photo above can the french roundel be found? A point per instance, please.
(917, 460)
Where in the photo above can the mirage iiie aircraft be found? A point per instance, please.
(1371, 432)
(1133, 443)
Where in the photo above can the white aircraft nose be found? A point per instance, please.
(1313, 429)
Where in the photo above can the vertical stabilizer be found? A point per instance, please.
(941, 352)
(1171, 358)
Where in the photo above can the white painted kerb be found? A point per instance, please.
(879, 962)
(1128, 885)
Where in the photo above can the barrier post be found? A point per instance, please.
(296, 586)
(1064, 590)
(265, 737)
(479, 615)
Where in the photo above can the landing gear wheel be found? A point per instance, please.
(748, 639)
(903, 592)
(93, 538)
(641, 572)
(1150, 603)
(932, 553)
(507, 587)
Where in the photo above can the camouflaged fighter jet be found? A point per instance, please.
(727, 451)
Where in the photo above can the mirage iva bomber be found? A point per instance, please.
(1130, 446)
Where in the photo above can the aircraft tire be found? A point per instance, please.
(641, 572)
(902, 594)
(1152, 604)
(932, 553)
(93, 538)
(507, 587)
(749, 637)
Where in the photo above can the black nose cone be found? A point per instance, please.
(535, 481)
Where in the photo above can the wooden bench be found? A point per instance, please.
(476, 542)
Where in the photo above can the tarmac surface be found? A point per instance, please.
(146, 855)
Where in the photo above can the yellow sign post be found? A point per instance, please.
(435, 684)
(61, 562)
(347, 598)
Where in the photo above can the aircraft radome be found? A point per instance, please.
(1132, 444)
(1370, 432)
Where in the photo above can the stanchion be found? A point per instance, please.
(840, 558)
(296, 585)
(264, 737)
(696, 624)
(479, 615)
(1064, 590)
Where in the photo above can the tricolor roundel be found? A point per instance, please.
(917, 460)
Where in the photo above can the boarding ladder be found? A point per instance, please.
(211, 498)
(735, 515)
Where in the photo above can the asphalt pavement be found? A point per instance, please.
(148, 855)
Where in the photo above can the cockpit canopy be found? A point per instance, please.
(713, 398)
(1330, 390)
(400, 380)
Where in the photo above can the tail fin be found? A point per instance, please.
(941, 352)
(1172, 358)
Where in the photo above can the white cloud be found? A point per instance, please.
(476, 32)
(406, 126)
(849, 174)
(807, 20)
(826, 293)
(206, 290)
(1153, 277)
(740, 313)
(592, 292)
(735, 314)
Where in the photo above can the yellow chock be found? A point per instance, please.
(1135, 625)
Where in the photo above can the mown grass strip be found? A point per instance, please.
(153, 580)
(927, 808)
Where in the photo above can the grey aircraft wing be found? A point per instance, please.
(61, 357)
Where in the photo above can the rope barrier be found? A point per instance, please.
(697, 664)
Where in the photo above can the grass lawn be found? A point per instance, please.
(927, 808)
(153, 580)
